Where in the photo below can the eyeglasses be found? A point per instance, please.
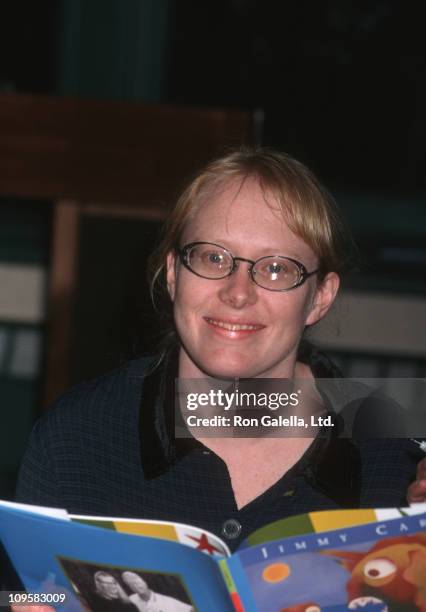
(273, 272)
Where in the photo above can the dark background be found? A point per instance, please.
(339, 84)
(342, 84)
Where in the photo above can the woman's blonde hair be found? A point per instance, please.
(309, 209)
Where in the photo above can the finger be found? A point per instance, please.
(416, 492)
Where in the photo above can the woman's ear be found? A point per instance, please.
(171, 274)
(324, 297)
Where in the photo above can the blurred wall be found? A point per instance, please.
(101, 49)
(113, 49)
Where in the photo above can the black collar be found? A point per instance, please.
(331, 465)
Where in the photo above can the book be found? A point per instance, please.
(329, 560)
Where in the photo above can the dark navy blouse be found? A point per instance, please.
(107, 448)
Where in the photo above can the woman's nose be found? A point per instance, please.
(238, 290)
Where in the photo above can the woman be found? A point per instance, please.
(251, 257)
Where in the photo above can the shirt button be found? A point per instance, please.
(231, 529)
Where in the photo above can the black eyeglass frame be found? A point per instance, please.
(303, 273)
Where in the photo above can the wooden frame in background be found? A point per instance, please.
(103, 158)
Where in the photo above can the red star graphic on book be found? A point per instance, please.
(205, 545)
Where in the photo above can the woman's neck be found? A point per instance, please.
(291, 368)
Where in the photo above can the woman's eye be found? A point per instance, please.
(212, 258)
(215, 258)
(275, 268)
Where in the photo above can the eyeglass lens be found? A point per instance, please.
(214, 262)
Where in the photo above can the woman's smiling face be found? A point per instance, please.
(231, 327)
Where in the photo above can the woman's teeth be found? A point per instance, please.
(233, 326)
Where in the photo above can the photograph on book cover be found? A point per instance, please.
(113, 588)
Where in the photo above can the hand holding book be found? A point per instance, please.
(417, 490)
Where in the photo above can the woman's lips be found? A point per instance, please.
(232, 327)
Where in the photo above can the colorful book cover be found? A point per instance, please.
(326, 520)
(164, 530)
(90, 568)
(380, 565)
